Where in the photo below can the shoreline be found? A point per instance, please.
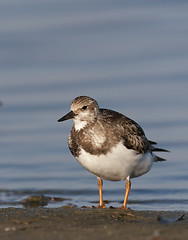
(75, 223)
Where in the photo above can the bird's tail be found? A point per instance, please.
(157, 158)
(154, 149)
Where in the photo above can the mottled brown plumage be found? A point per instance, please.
(116, 127)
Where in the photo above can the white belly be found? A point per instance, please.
(118, 164)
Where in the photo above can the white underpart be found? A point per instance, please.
(118, 164)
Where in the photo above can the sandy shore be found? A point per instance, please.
(73, 223)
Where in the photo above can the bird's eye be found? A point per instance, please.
(84, 107)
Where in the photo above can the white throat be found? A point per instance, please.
(79, 124)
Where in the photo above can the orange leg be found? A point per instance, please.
(101, 203)
(127, 187)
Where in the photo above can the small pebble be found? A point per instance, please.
(9, 229)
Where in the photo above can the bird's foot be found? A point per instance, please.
(101, 206)
(124, 208)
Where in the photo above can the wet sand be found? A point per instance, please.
(74, 223)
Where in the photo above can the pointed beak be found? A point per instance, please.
(69, 115)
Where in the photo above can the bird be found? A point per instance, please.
(109, 144)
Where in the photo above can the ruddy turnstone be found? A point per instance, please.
(109, 144)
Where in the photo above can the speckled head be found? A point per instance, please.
(83, 111)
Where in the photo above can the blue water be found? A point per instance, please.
(131, 56)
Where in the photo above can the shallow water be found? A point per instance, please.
(131, 57)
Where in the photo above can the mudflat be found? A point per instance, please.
(105, 224)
